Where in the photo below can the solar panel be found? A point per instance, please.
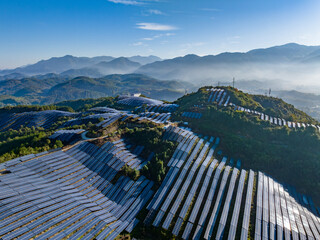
(213, 215)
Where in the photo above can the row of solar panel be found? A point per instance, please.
(58, 195)
(192, 115)
(43, 119)
(163, 108)
(276, 120)
(219, 95)
(281, 213)
(212, 214)
(110, 120)
(155, 117)
(139, 101)
(66, 135)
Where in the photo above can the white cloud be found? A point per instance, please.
(135, 2)
(126, 2)
(158, 36)
(155, 27)
(155, 12)
(138, 44)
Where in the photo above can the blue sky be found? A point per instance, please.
(39, 29)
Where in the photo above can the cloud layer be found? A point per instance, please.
(126, 2)
(155, 27)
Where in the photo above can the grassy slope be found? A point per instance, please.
(288, 155)
(270, 105)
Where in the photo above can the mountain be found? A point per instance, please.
(12, 76)
(55, 65)
(111, 85)
(65, 63)
(307, 102)
(289, 62)
(31, 85)
(56, 88)
(120, 65)
(288, 52)
(144, 60)
(116, 66)
(86, 71)
(276, 62)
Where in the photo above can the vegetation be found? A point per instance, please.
(152, 140)
(25, 141)
(82, 105)
(51, 89)
(32, 108)
(291, 156)
(269, 105)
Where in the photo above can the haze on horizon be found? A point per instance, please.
(40, 29)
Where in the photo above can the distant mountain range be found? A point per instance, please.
(279, 62)
(286, 67)
(275, 62)
(55, 88)
(84, 65)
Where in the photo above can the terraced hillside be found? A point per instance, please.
(69, 194)
(204, 198)
(284, 149)
(135, 173)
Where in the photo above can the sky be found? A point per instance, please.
(31, 30)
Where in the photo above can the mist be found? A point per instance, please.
(303, 77)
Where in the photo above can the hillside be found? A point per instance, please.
(112, 85)
(56, 88)
(269, 105)
(113, 174)
(287, 154)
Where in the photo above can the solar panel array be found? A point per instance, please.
(43, 119)
(67, 135)
(138, 101)
(192, 115)
(73, 194)
(166, 107)
(201, 197)
(276, 120)
(110, 120)
(221, 97)
(103, 110)
(69, 194)
(93, 118)
(155, 117)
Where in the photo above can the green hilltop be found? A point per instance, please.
(290, 155)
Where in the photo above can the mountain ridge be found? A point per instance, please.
(64, 63)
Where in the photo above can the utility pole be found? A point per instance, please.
(218, 83)
(233, 81)
(269, 92)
